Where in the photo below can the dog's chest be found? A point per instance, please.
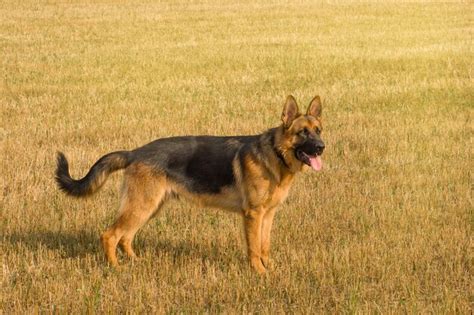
(279, 193)
(267, 193)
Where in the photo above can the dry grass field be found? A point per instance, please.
(386, 227)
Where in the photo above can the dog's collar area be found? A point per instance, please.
(280, 156)
(278, 152)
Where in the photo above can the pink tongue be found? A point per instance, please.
(316, 162)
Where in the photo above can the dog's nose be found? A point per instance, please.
(320, 148)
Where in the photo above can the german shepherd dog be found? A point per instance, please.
(249, 175)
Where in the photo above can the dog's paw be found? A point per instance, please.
(267, 262)
(257, 265)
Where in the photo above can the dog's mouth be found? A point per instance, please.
(314, 161)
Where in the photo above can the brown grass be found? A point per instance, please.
(386, 227)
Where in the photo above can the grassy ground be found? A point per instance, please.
(386, 227)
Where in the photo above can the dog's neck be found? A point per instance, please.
(286, 165)
(278, 153)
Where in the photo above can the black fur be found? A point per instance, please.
(203, 164)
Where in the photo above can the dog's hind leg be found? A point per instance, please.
(136, 219)
(143, 194)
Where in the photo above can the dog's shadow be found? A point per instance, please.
(68, 244)
(79, 244)
(182, 250)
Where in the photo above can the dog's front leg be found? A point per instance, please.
(253, 235)
(266, 229)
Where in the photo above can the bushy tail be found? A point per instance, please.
(96, 176)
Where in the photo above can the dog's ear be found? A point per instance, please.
(315, 108)
(290, 111)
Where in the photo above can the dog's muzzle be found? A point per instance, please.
(310, 153)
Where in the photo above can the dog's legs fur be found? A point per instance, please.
(142, 196)
(253, 232)
(265, 238)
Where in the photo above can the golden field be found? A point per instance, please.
(386, 227)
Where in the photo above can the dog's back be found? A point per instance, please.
(203, 164)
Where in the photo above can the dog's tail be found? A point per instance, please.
(96, 176)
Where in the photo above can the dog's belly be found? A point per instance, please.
(227, 199)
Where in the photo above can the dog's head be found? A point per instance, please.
(301, 138)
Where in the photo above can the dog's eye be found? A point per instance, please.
(304, 132)
(318, 131)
